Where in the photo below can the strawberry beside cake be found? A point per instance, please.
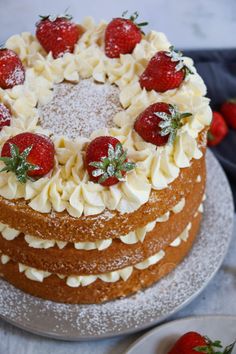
(102, 141)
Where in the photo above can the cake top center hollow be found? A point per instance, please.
(80, 109)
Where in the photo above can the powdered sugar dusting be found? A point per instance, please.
(79, 109)
(146, 307)
(5, 116)
(14, 72)
(16, 77)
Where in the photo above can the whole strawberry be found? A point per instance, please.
(106, 161)
(165, 71)
(12, 72)
(193, 342)
(57, 34)
(218, 129)
(5, 116)
(122, 35)
(159, 123)
(228, 110)
(28, 155)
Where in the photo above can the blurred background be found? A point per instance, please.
(188, 23)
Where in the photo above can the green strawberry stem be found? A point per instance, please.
(113, 165)
(17, 163)
(53, 18)
(211, 346)
(171, 123)
(133, 18)
(178, 58)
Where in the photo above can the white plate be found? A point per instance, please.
(161, 339)
(146, 308)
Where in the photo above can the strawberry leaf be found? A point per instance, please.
(185, 115)
(133, 18)
(128, 166)
(171, 123)
(17, 163)
(111, 152)
(105, 161)
(112, 165)
(209, 348)
(25, 153)
(122, 158)
(124, 13)
(202, 349)
(119, 151)
(96, 164)
(14, 150)
(178, 58)
(53, 18)
(111, 170)
(229, 348)
(119, 176)
(103, 178)
(97, 173)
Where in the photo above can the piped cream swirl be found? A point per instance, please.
(110, 277)
(69, 188)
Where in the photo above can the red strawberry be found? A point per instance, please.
(165, 71)
(122, 35)
(28, 155)
(12, 72)
(106, 161)
(5, 116)
(218, 129)
(193, 342)
(228, 110)
(57, 34)
(159, 123)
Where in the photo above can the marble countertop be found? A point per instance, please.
(188, 24)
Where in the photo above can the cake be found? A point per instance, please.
(103, 140)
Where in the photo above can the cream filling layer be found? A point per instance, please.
(75, 281)
(131, 238)
(84, 280)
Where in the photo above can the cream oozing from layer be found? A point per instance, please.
(69, 188)
(198, 179)
(133, 237)
(75, 281)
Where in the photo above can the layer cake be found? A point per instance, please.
(89, 231)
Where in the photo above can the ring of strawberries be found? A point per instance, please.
(31, 156)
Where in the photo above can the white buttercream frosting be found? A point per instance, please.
(198, 179)
(182, 237)
(111, 277)
(179, 207)
(32, 273)
(133, 237)
(36, 242)
(8, 233)
(5, 259)
(69, 188)
(201, 207)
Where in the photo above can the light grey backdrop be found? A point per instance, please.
(188, 23)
